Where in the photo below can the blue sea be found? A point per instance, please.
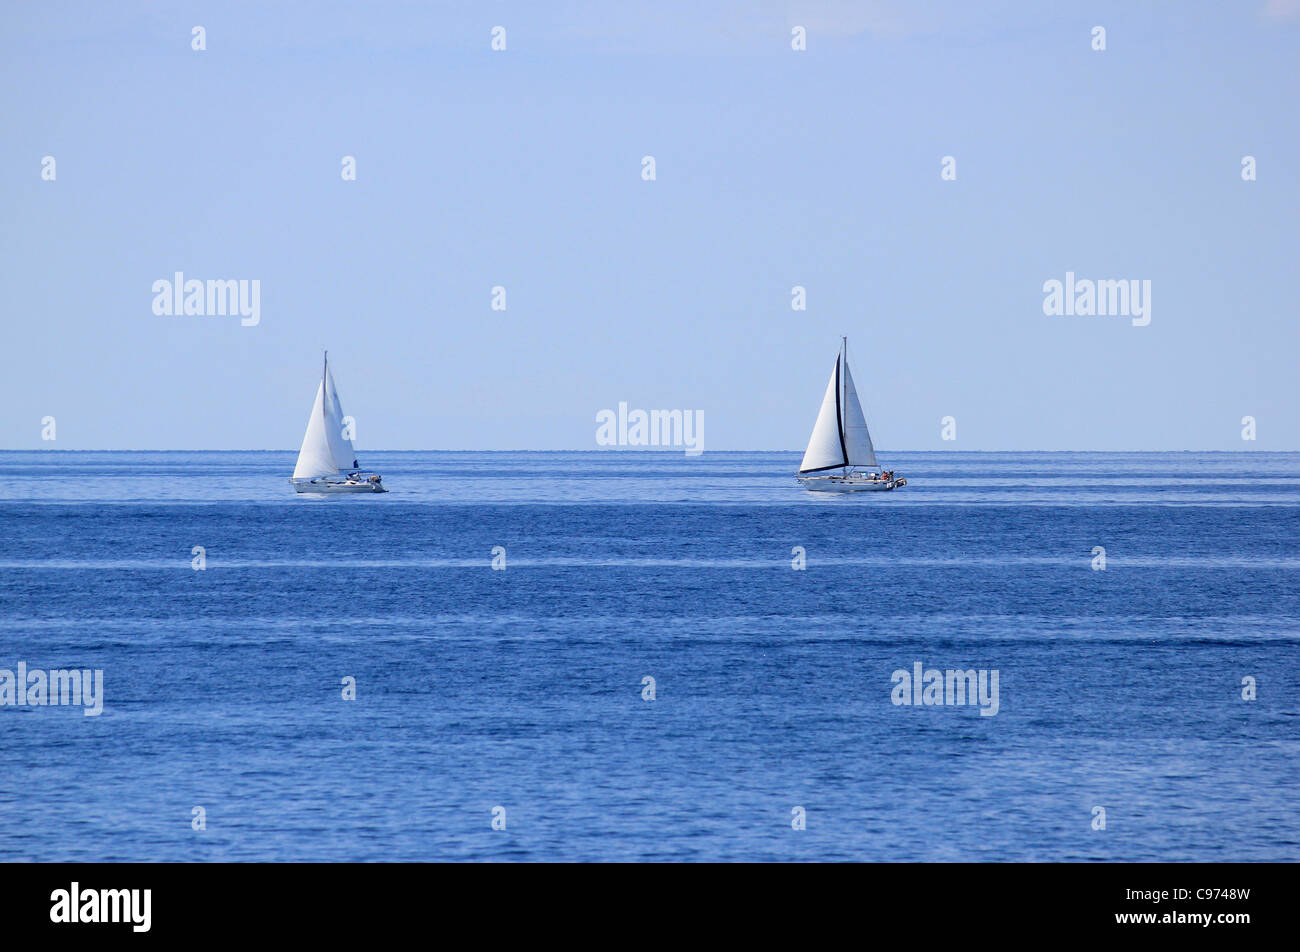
(520, 694)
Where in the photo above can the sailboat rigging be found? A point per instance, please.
(327, 462)
(841, 441)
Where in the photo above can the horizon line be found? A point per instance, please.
(625, 451)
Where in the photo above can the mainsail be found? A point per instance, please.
(825, 448)
(326, 449)
(840, 436)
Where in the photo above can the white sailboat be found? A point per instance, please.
(327, 462)
(840, 441)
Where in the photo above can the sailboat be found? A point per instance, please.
(840, 441)
(327, 462)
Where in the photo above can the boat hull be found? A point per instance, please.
(331, 486)
(848, 484)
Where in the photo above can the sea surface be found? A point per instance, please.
(525, 688)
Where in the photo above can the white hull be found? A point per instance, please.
(849, 484)
(330, 484)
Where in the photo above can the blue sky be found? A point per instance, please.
(775, 168)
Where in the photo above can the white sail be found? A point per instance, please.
(341, 448)
(825, 448)
(326, 451)
(857, 438)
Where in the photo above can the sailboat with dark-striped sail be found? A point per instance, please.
(840, 457)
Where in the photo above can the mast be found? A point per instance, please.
(325, 385)
(843, 402)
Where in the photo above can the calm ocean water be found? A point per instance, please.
(523, 689)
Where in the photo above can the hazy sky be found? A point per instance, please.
(774, 168)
